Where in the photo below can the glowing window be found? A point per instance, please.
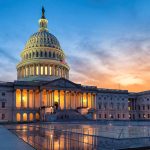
(37, 70)
(24, 98)
(41, 70)
(18, 98)
(18, 117)
(45, 70)
(37, 116)
(31, 117)
(25, 117)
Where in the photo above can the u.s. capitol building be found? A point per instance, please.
(44, 92)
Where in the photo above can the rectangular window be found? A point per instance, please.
(3, 116)
(41, 70)
(45, 70)
(3, 93)
(3, 104)
(123, 115)
(99, 115)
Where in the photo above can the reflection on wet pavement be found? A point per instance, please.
(59, 136)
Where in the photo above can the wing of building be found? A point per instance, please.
(44, 92)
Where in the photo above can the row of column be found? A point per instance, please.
(35, 70)
(64, 99)
(68, 99)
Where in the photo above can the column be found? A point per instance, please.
(39, 70)
(47, 94)
(43, 69)
(86, 99)
(28, 98)
(34, 70)
(70, 99)
(95, 101)
(48, 71)
(82, 99)
(53, 97)
(53, 71)
(21, 98)
(74, 99)
(33, 94)
(64, 99)
(41, 98)
(58, 98)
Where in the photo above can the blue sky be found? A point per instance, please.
(106, 41)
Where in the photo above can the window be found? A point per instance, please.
(45, 54)
(148, 107)
(41, 70)
(99, 115)
(45, 70)
(41, 54)
(37, 70)
(123, 115)
(118, 115)
(3, 116)
(3, 93)
(3, 104)
(105, 116)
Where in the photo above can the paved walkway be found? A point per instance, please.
(9, 141)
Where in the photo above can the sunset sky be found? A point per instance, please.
(106, 42)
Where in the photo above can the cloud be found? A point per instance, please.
(123, 61)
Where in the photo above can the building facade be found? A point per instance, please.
(44, 92)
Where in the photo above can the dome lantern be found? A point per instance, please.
(43, 21)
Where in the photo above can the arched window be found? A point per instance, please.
(27, 56)
(31, 116)
(18, 117)
(24, 117)
(37, 116)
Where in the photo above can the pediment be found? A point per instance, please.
(62, 83)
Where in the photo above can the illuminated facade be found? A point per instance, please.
(43, 91)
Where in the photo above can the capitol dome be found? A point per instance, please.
(42, 57)
(43, 38)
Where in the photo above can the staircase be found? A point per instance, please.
(65, 115)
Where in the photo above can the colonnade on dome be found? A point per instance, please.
(42, 70)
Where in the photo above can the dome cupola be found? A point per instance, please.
(42, 57)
